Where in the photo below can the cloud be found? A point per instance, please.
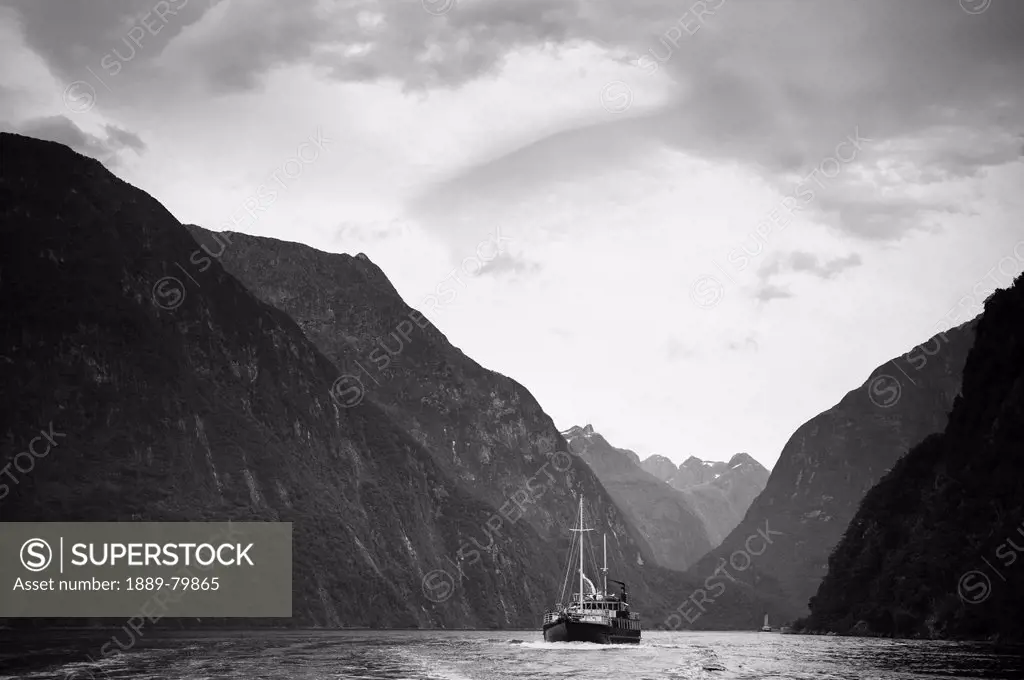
(505, 263)
(10, 95)
(62, 130)
(806, 262)
(231, 45)
(951, 153)
(71, 36)
(799, 262)
(118, 137)
(909, 183)
(784, 82)
(779, 86)
(768, 292)
(774, 85)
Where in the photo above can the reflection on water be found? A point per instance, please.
(491, 655)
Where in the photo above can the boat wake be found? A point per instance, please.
(581, 646)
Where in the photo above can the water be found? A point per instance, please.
(494, 655)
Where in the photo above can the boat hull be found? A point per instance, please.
(578, 631)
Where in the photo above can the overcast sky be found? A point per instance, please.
(715, 218)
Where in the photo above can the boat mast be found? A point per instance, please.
(581, 551)
(604, 569)
(581, 530)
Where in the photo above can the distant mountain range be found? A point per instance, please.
(681, 511)
(674, 533)
(693, 470)
(719, 493)
(831, 462)
(936, 547)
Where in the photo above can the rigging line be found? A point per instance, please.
(561, 595)
(568, 568)
(590, 549)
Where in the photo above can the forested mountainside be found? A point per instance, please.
(831, 461)
(481, 428)
(180, 394)
(935, 548)
(475, 423)
(181, 399)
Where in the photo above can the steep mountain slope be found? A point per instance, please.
(180, 395)
(675, 534)
(832, 460)
(722, 501)
(718, 492)
(188, 401)
(485, 431)
(935, 547)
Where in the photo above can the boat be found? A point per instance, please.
(591, 615)
(766, 628)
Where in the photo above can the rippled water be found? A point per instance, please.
(492, 655)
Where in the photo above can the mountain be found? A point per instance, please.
(831, 462)
(181, 394)
(691, 472)
(718, 492)
(675, 534)
(661, 467)
(935, 548)
(484, 431)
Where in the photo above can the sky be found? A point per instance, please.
(693, 225)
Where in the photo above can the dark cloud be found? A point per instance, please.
(971, 156)
(781, 85)
(784, 82)
(351, 40)
(470, 40)
(752, 68)
(774, 84)
(123, 138)
(62, 130)
(256, 36)
(72, 36)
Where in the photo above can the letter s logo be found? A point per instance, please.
(36, 554)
